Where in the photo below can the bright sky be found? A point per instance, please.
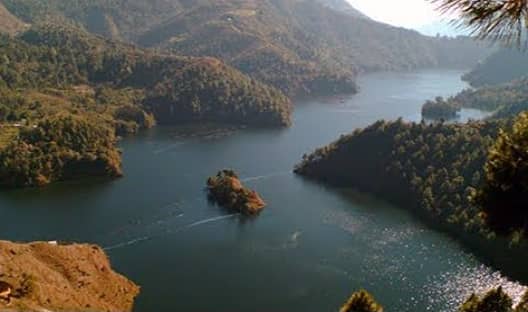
(405, 13)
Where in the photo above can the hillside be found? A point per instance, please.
(431, 169)
(297, 46)
(306, 40)
(66, 93)
(50, 277)
(502, 101)
(466, 179)
(502, 66)
(49, 56)
(9, 24)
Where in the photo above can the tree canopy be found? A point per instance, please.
(361, 301)
(505, 193)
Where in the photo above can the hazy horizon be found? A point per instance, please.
(399, 13)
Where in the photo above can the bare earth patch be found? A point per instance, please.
(45, 276)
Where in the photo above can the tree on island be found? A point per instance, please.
(227, 190)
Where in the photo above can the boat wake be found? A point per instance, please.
(267, 176)
(127, 243)
(138, 240)
(168, 213)
(229, 216)
(168, 148)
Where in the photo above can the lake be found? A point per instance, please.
(309, 249)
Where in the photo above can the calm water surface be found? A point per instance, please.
(308, 250)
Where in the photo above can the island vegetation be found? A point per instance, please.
(227, 190)
(440, 109)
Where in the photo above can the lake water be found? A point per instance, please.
(308, 250)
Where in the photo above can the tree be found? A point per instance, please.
(361, 301)
(523, 305)
(505, 194)
(496, 300)
(503, 20)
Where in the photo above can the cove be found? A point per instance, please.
(309, 249)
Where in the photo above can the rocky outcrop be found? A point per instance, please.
(226, 189)
(51, 277)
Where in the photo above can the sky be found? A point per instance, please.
(404, 13)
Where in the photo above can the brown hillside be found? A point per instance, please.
(62, 278)
(10, 24)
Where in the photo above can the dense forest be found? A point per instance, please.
(52, 70)
(72, 59)
(63, 56)
(59, 148)
(434, 169)
(504, 65)
(501, 101)
(472, 175)
(299, 47)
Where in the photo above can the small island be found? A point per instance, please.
(227, 190)
(441, 109)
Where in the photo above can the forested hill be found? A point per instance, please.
(502, 66)
(66, 93)
(467, 178)
(432, 169)
(297, 46)
(49, 55)
(501, 101)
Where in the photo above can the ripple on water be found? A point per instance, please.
(395, 256)
(343, 220)
(454, 287)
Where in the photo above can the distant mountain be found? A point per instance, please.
(502, 66)
(298, 46)
(442, 28)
